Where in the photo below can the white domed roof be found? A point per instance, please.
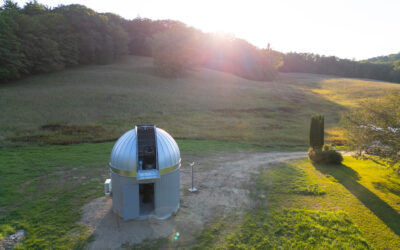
(124, 155)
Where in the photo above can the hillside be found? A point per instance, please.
(389, 58)
(98, 103)
(269, 150)
(220, 121)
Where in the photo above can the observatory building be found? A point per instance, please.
(144, 168)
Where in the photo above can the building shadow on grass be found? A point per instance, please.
(349, 179)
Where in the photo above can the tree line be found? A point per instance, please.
(393, 58)
(37, 39)
(331, 65)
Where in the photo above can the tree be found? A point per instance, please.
(41, 52)
(375, 126)
(37, 39)
(274, 58)
(11, 65)
(174, 50)
(10, 5)
(316, 141)
(34, 8)
(317, 132)
(100, 38)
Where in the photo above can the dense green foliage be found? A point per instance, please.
(175, 50)
(325, 156)
(317, 131)
(389, 58)
(331, 65)
(36, 39)
(316, 142)
(10, 51)
(375, 126)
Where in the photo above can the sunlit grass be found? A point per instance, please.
(336, 136)
(354, 189)
(358, 209)
(350, 92)
(274, 224)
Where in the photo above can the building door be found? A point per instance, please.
(146, 197)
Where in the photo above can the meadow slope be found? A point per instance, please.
(97, 103)
(208, 112)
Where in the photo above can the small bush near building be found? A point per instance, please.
(326, 156)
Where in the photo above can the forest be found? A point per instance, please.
(393, 58)
(331, 65)
(37, 39)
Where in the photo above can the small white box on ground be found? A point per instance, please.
(107, 187)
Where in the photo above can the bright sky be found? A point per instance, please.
(357, 29)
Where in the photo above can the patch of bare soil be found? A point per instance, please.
(221, 180)
(348, 153)
(12, 240)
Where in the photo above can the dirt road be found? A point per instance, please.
(221, 180)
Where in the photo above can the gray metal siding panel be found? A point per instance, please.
(130, 194)
(125, 200)
(167, 195)
(117, 193)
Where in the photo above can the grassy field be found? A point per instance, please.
(355, 205)
(97, 103)
(44, 186)
(301, 206)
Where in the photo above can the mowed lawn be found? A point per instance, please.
(98, 103)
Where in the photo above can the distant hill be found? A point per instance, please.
(97, 103)
(385, 59)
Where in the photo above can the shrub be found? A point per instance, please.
(326, 156)
(316, 139)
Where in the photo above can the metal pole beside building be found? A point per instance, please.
(192, 189)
